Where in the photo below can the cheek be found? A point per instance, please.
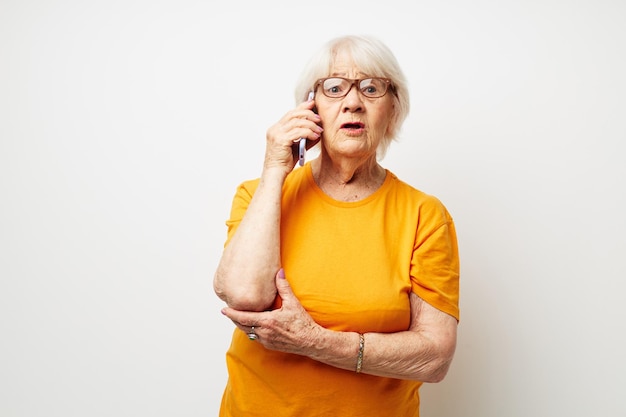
(326, 111)
(328, 118)
(382, 124)
(389, 126)
(387, 120)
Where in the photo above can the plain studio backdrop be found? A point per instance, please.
(126, 125)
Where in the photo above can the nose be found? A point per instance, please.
(352, 101)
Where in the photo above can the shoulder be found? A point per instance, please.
(248, 186)
(409, 194)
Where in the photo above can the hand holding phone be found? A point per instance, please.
(302, 142)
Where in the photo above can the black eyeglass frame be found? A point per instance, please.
(356, 83)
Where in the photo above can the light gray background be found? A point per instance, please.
(125, 126)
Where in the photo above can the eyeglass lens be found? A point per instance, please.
(339, 87)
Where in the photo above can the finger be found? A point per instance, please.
(300, 114)
(304, 120)
(307, 104)
(244, 327)
(241, 318)
(283, 287)
(311, 136)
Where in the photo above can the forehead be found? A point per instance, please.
(345, 64)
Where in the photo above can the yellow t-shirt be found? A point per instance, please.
(352, 265)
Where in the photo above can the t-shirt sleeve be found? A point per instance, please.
(435, 261)
(241, 201)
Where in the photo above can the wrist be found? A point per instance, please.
(359, 356)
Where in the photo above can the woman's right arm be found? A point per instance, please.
(245, 276)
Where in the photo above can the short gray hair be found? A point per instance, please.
(372, 57)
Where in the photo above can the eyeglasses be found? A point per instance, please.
(338, 87)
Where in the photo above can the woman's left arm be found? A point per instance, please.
(423, 352)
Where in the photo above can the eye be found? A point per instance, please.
(373, 87)
(334, 86)
(370, 89)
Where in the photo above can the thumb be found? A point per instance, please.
(283, 287)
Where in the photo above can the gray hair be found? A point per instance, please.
(372, 57)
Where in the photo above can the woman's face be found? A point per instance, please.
(354, 125)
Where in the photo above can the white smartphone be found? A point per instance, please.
(302, 142)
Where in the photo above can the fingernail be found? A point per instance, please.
(281, 273)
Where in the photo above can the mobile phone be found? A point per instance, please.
(302, 142)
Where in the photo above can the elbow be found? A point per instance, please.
(436, 369)
(439, 366)
(438, 372)
(250, 302)
(244, 297)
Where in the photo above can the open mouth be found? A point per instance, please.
(353, 125)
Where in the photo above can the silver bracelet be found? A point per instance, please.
(359, 358)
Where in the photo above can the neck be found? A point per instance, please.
(348, 180)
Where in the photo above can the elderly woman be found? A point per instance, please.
(342, 280)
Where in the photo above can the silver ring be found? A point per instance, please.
(252, 336)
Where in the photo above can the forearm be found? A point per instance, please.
(404, 355)
(408, 355)
(244, 278)
(423, 352)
